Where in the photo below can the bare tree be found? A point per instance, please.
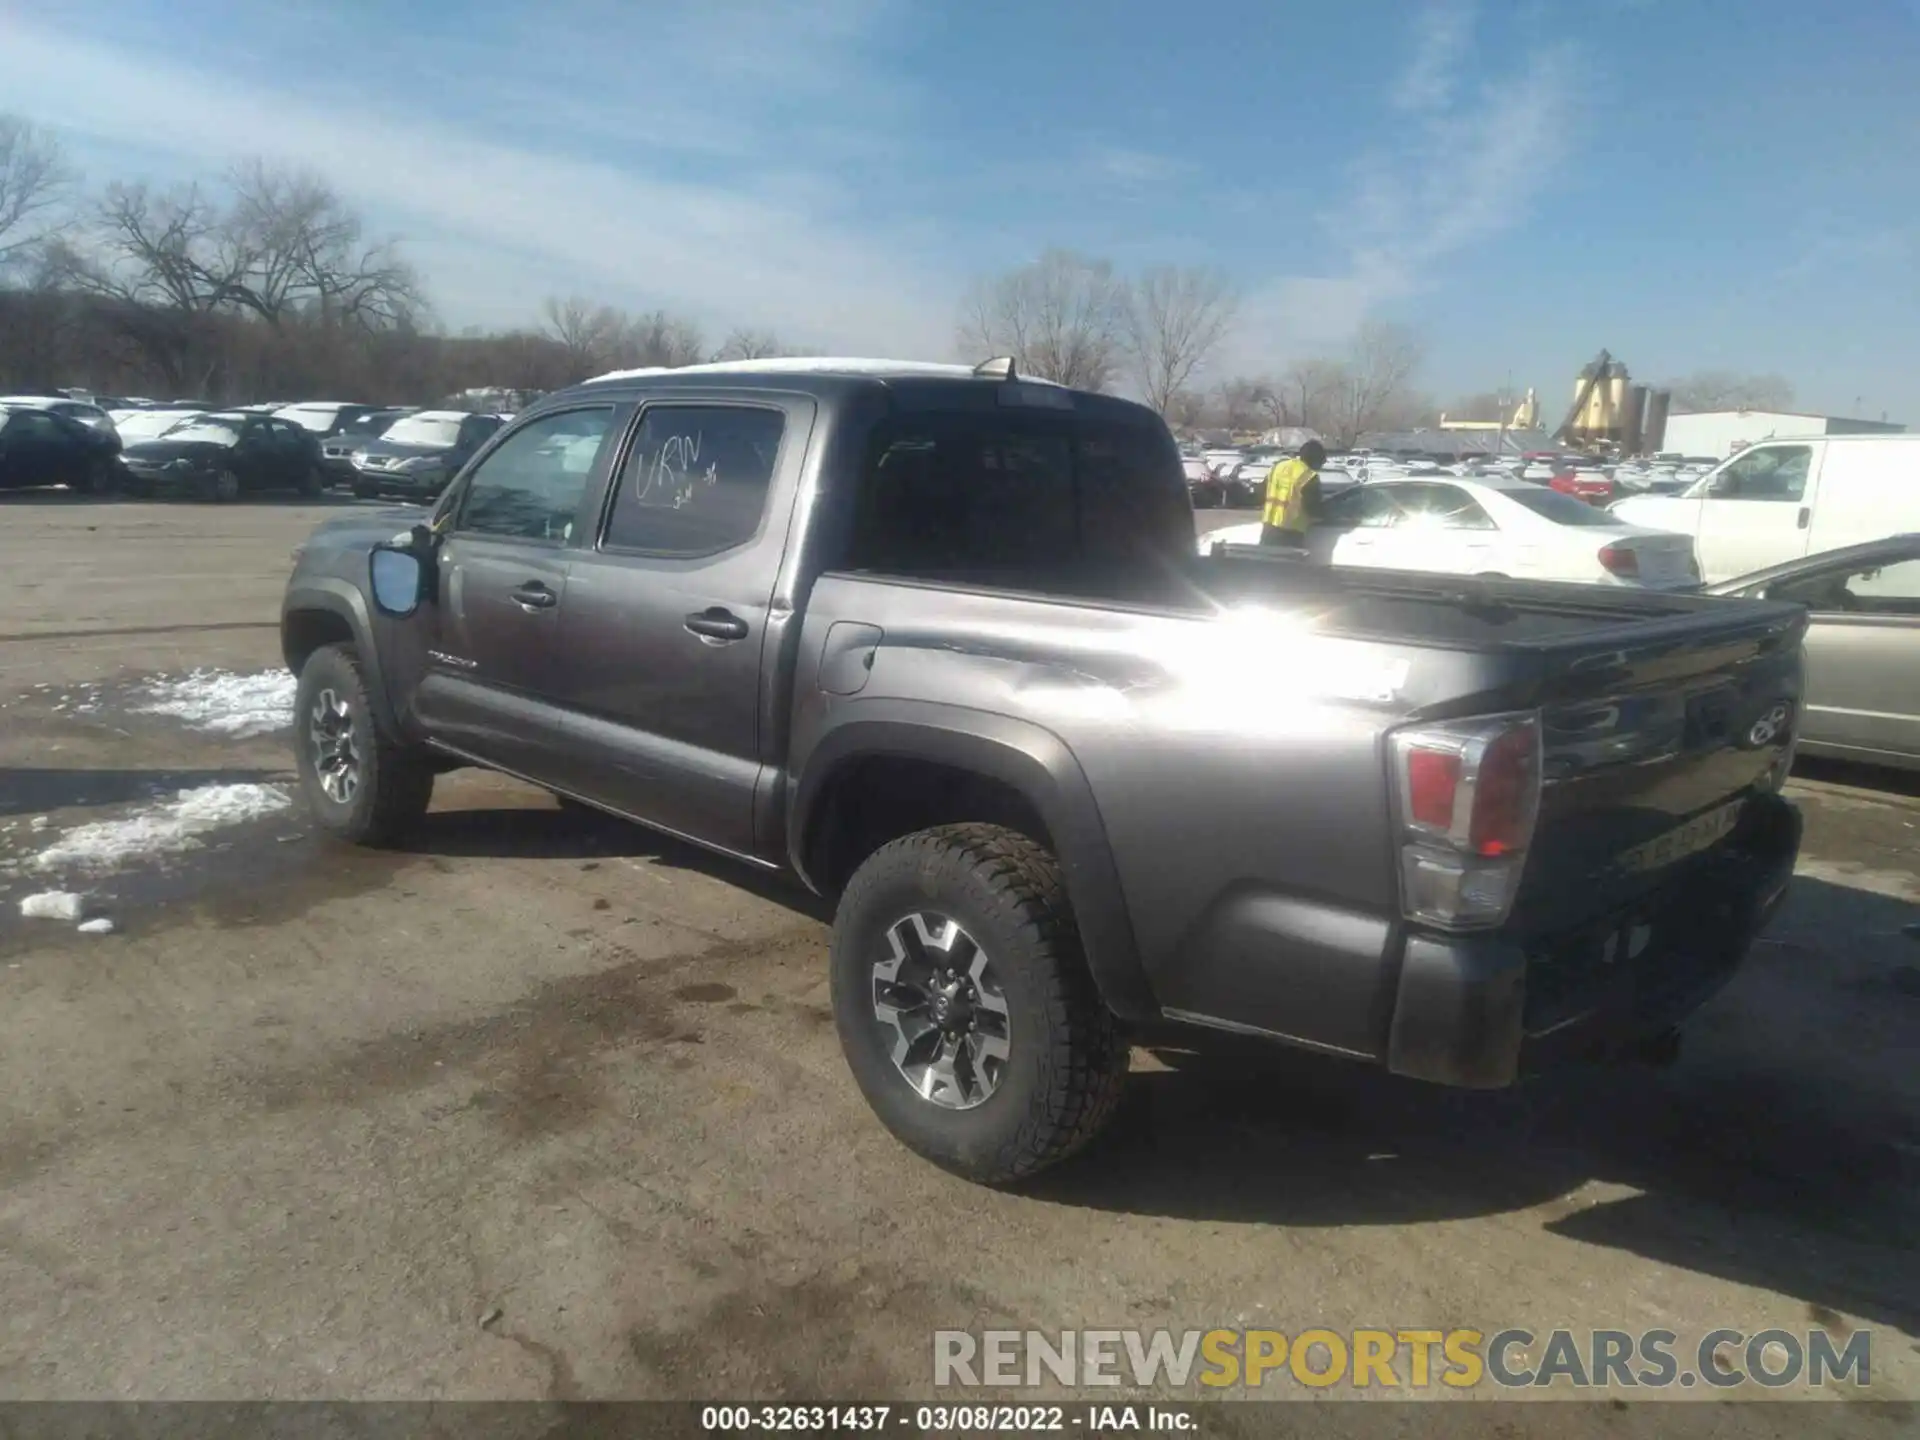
(1190, 411)
(745, 344)
(33, 181)
(1729, 390)
(1061, 318)
(588, 333)
(1307, 395)
(1372, 387)
(658, 338)
(1176, 319)
(299, 249)
(1237, 403)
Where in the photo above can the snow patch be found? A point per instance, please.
(54, 905)
(162, 829)
(99, 926)
(223, 702)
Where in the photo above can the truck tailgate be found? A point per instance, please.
(1655, 739)
(1661, 711)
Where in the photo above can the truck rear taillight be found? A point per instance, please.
(1468, 794)
(1620, 560)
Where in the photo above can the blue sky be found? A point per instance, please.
(1689, 183)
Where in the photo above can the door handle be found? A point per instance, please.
(535, 596)
(1806, 514)
(717, 624)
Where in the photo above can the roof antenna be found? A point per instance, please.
(998, 368)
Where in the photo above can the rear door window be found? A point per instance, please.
(696, 480)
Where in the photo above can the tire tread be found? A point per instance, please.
(1084, 1069)
(397, 780)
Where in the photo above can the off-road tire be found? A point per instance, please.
(1067, 1058)
(395, 780)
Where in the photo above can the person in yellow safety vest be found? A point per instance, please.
(1293, 497)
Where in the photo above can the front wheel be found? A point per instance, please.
(362, 786)
(965, 1007)
(312, 481)
(220, 487)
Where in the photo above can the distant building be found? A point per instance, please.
(1526, 416)
(1718, 433)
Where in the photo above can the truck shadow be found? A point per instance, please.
(1782, 1151)
(35, 791)
(541, 830)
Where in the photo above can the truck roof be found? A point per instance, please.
(815, 365)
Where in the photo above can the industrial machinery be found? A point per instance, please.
(1611, 415)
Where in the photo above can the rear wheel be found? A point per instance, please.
(965, 1007)
(94, 478)
(361, 785)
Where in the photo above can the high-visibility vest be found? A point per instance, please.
(1286, 495)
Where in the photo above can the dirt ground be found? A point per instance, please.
(551, 1107)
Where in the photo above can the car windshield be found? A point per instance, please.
(209, 430)
(151, 424)
(1561, 509)
(424, 430)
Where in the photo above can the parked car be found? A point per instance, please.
(936, 645)
(336, 450)
(1501, 528)
(45, 447)
(134, 426)
(84, 411)
(1246, 485)
(224, 454)
(1778, 500)
(325, 418)
(1204, 488)
(1223, 460)
(1585, 482)
(418, 454)
(1862, 698)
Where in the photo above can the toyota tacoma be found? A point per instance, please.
(935, 640)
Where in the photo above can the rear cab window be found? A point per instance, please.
(1054, 502)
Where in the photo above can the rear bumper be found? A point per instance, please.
(1486, 1010)
(1483, 1010)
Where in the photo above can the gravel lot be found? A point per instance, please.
(547, 1107)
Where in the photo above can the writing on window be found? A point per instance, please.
(697, 479)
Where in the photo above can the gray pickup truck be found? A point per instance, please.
(936, 641)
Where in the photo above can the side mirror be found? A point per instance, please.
(398, 577)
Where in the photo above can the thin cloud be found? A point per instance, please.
(772, 248)
(1440, 37)
(1466, 163)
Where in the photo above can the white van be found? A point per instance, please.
(1782, 498)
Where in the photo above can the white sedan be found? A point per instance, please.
(1490, 527)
